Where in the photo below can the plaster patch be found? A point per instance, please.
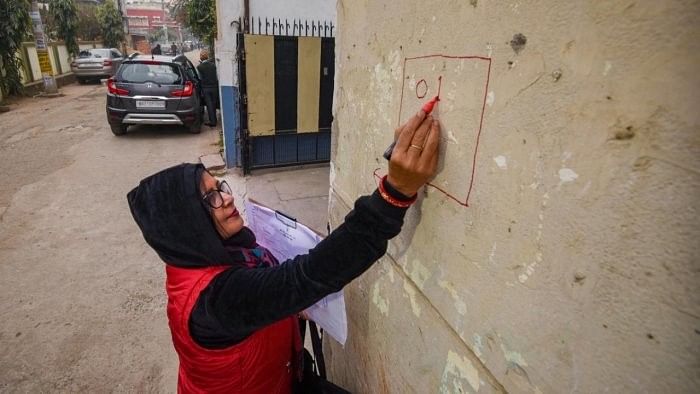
(331, 174)
(567, 175)
(530, 268)
(490, 98)
(606, 69)
(492, 255)
(477, 345)
(459, 304)
(513, 357)
(379, 302)
(501, 162)
(585, 188)
(419, 274)
(451, 137)
(411, 292)
(457, 370)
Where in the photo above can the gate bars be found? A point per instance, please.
(279, 27)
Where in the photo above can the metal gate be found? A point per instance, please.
(286, 84)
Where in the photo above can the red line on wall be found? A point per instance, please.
(464, 203)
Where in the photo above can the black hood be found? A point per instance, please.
(167, 207)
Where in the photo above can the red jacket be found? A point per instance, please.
(263, 363)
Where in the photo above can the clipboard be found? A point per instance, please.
(286, 238)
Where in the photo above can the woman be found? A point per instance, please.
(232, 308)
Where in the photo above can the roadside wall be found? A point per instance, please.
(58, 55)
(575, 266)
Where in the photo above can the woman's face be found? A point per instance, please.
(226, 218)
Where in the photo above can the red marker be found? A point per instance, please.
(427, 108)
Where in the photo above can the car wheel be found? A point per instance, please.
(118, 129)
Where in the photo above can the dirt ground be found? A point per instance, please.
(82, 304)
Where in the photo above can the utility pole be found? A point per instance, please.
(125, 24)
(42, 50)
(165, 25)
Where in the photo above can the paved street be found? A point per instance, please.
(81, 295)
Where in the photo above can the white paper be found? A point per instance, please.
(287, 238)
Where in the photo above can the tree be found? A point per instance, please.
(159, 35)
(199, 16)
(65, 17)
(111, 23)
(14, 25)
(88, 27)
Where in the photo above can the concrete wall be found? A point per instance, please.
(58, 55)
(227, 15)
(321, 10)
(575, 267)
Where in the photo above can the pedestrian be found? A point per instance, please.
(210, 85)
(156, 50)
(232, 308)
(173, 49)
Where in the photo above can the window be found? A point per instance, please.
(161, 73)
(190, 71)
(96, 53)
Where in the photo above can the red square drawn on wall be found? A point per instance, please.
(462, 84)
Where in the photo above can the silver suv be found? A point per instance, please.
(157, 90)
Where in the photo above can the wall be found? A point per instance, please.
(227, 15)
(319, 10)
(575, 266)
(58, 54)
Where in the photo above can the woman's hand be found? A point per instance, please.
(415, 156)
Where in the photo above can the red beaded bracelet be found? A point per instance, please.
(391, 200)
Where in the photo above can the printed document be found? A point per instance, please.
(287, 238)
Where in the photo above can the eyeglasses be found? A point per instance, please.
(213, 198)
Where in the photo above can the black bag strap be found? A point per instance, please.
(317, 344)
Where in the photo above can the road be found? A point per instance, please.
(82, 304)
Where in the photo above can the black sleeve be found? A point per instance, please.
(239, 301)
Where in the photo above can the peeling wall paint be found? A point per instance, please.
(458, 370)
(381, 303)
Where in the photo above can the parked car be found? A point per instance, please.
(157, 90)
(96, 63)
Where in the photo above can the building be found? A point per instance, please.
(144, 18)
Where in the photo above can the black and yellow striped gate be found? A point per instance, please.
(286, 96)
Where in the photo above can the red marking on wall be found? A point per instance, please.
(421, 92)
(464, 203)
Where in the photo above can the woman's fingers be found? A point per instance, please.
(409, 129)
(430, 154)
(421, 135)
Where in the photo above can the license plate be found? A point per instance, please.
(150, 104)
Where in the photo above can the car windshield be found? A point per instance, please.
(85, 53)
(161, 73)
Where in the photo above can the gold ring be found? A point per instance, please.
(416, 146)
